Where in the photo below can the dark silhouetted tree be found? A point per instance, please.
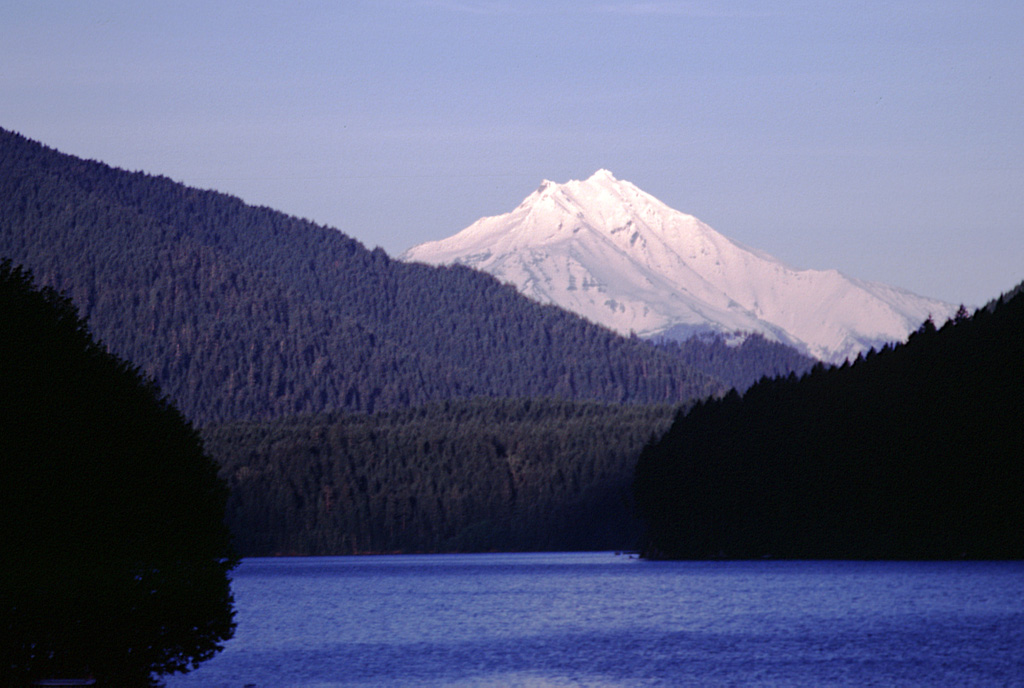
(116, 556)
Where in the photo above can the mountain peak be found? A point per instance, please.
(598, 181)
(616, 255)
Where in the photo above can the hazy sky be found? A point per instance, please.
(885, 139)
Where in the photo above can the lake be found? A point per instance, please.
(601, 619)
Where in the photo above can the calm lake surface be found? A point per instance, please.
(599, 619)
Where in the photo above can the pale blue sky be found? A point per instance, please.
(884, 139)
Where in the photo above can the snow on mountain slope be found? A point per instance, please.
(620, 257)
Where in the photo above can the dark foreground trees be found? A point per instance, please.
(115, 555)
(913, 452)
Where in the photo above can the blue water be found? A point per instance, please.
(598, 619)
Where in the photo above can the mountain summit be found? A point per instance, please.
(616, 255)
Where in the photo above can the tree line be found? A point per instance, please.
(457, 476)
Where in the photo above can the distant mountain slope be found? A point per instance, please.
(620, 257)
(741, 364)
(241, 312)
(912, 452)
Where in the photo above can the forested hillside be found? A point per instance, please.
(456, 476)
(243, 312)
(741, 365)
(916, 451)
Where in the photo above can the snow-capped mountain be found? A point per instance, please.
(620, 257)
